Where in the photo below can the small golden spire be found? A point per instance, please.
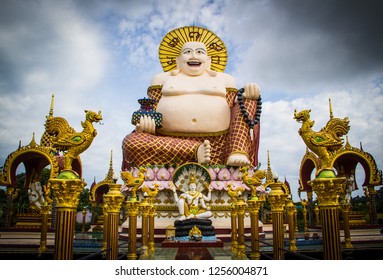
(33, 144)
(269, 172)
(109, 176)
(347, 146)
(52, 106)
(330, 107)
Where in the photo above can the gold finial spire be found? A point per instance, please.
(52, 105)
(348, 146)
(109, 176)
(269, 172)
(330, 108)
(33, 142)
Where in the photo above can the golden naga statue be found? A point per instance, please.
(148, 192)
(234, 192)
(64, 138)
(253, 181)
(327, 141)
(195, 232)
(131, 183)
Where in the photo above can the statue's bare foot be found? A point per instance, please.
(238, 160)
(182, 218)
(203, 152)
(190, 216)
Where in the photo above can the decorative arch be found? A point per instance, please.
(308, 164)
(35, 158)
(346, 161)
(97, 191)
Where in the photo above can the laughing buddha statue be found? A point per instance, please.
(204, 117)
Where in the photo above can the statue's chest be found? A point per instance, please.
(184, 85)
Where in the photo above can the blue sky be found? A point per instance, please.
(101, 55)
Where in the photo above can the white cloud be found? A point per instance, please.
(101, 56)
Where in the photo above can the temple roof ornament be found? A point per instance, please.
(97, 190)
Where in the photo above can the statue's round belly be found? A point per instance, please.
(194, 113)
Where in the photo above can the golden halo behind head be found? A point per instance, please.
(171, 45)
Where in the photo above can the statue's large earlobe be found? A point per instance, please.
(208, 62)
(212, 73)
(177, 70)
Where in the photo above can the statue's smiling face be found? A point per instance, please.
(193, 59)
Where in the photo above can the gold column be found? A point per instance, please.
(113, 201)
(328, 191)
(290, 207)
(44, 211)
(132, 208)
(83, 220)
(316, 210)
(372, 205)
(240, 206)
(304, 212)
(104, 226)
(66, 194)
(309, 207)
(152, 213)
(277, 199)
(254, 204)
(145, 208)
(234, 241)
(346, 225)
(296, 222)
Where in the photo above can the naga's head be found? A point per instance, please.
(302, 115)
(93, 116)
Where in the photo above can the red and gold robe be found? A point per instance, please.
(144, 148)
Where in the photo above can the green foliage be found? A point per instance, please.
(78, 227)
(359, 204)
(44, 176)
(267, 205)
(84, 200)
(22, 200)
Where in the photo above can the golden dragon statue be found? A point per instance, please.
(131, 183)
(234, 192)
(327, 141)
(64, 138)
(253, 182)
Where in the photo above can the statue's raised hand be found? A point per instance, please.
(252, 91)
(146, 124)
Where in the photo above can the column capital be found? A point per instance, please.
(67, 191)
(328, 190)
(113, 199)
(255, 205)
(276, 197)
